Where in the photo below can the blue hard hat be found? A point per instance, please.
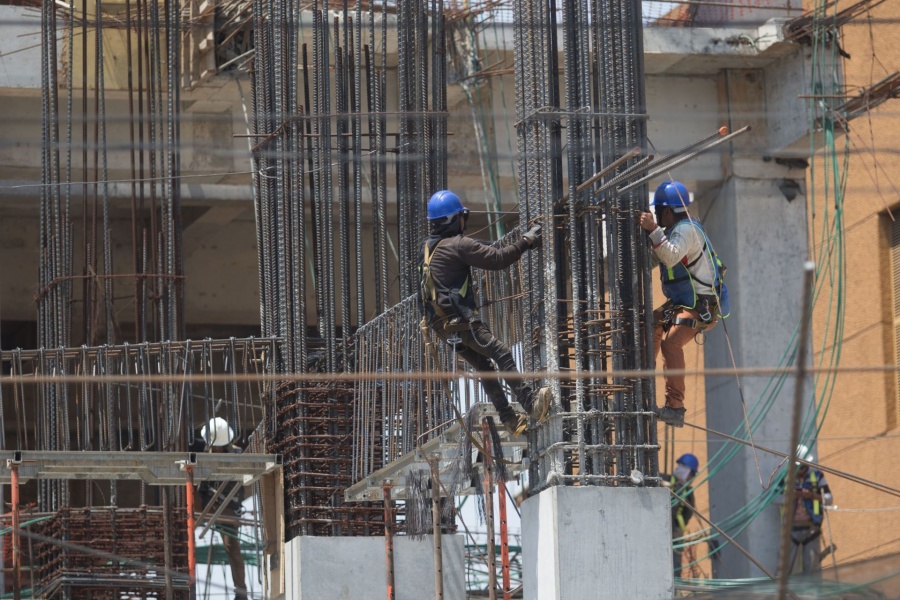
(444, 204)
(690, 461)
(673, 194)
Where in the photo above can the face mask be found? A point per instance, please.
(682, 473)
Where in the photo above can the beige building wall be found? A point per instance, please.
(859, 434)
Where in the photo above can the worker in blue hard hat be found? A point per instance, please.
(691, 274)
(686, 468)
(448, 302)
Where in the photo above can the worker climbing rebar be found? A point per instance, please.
(691, 274)
(448, 303)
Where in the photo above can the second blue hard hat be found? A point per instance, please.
(690, 461)
(444, 204)
(673, 194)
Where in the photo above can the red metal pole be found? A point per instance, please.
(192, 550)
(16, 538)
(489, 510)
(388, 539)
(504, 541)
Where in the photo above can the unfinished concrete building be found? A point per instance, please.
(215, 209)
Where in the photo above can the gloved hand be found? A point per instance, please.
(533, 236)
(648, 223)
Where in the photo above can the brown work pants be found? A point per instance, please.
(672, 343)
(228, 530)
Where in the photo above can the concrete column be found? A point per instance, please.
(597, 542)
(762, 237)
(353, 568)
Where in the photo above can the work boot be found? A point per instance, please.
(671, 416)
(538, 404)
(514, 422)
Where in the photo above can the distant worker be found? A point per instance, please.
(813, 495)
(218, 436)
(448, 301)
(692, 283)
(680, 481)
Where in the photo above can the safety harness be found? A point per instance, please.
(813, 506)
(430, 287)
(679, 512)
(813, 509)
(451, 316)
(678, 284)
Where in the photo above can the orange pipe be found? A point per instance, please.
(192, 550)
(16, 538)
(504, 540)
(388, 539)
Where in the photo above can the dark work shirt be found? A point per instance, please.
(454, 257)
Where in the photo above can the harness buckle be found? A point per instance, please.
(666, 316)
(705, 306)
(689, 322)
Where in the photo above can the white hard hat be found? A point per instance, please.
(804, 453)
(217, 432)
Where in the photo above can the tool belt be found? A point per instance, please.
(706, 307)
(449, 312)
(451, 323)
(804, 534)
(689, 322)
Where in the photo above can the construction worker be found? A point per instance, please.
(691, 282)
(448, 302)
(686, 468)
(812, 495)
(218, 435)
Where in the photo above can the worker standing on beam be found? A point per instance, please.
(692, 283)
(812, 496)
(448, 302)
(218, 436)
(680, 481)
